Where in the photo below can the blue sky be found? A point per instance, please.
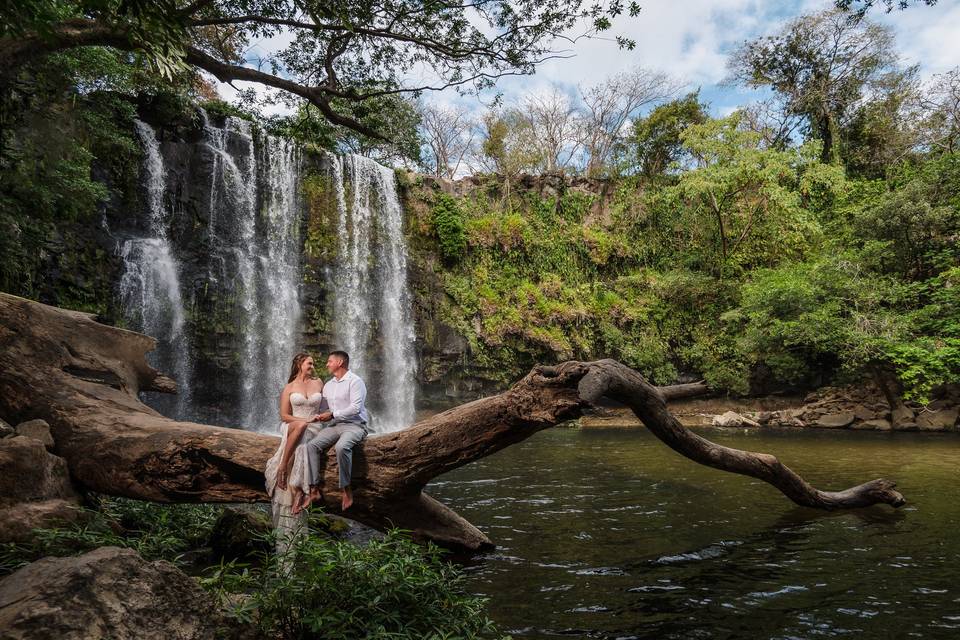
(690, 39)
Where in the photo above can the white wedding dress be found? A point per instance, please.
(284, 521)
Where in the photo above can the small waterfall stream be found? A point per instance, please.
(150, 286)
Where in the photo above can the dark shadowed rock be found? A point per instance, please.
(240, 534)
(106, 593)
(6, 431)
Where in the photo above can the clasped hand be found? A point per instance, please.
(326, 416)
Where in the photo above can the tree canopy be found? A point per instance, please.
(338, 52)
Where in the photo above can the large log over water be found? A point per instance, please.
(83, 378)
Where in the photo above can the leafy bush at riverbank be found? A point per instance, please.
(320, 588)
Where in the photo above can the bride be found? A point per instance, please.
(286, 472)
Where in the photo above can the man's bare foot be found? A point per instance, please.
(347, 499)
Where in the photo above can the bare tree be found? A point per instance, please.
(941, 101)
(555, 123)
(610, 105)
(449, 132)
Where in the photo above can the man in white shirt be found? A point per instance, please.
(346, 419)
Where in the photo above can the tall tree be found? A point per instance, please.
(821, 65)
(656, 137)
(339, 51)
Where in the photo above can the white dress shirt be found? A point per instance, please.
(347, 397)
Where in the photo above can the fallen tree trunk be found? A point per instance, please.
(83, 378)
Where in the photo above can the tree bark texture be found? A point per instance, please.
(83, 378)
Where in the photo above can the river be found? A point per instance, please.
(606, 533)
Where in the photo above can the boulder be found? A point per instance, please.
(106, 593)
(877, 424)
(942, 420)
(903, 418)
(733, 419)
(835, 420)
(863, 413)
(38, 430)
(18, 521)
(31, 473)
(35, 489)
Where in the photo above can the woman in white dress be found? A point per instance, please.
(286, 471)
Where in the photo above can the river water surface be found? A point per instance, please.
(606, 533)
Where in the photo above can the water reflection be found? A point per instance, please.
(608, 534)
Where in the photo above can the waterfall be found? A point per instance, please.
(225, 216)
(371, 295)
(254, 226)
(150, 285)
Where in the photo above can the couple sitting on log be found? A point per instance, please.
(314, 418)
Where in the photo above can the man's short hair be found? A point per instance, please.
(343, 356)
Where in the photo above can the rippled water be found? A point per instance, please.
(606, 533)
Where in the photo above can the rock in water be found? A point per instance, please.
(106, 593)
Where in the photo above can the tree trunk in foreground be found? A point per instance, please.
(83, 378)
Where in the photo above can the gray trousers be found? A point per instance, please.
(344, 434)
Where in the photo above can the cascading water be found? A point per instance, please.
(254, 224)
(234, 220)
(370, 288)
(150, 285)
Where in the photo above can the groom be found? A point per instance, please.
(346, 419)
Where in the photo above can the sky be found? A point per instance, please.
(690, 39)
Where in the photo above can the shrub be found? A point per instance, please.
(449, 226)
(319, 588)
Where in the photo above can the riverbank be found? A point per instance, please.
(860, 408)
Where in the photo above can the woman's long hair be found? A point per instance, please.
(295, 367)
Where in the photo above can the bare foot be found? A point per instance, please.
(347, 499)
(298, 505)
(313, 496)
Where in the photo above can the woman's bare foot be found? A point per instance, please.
(313, 496)
(347, 499)
(297, 506)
